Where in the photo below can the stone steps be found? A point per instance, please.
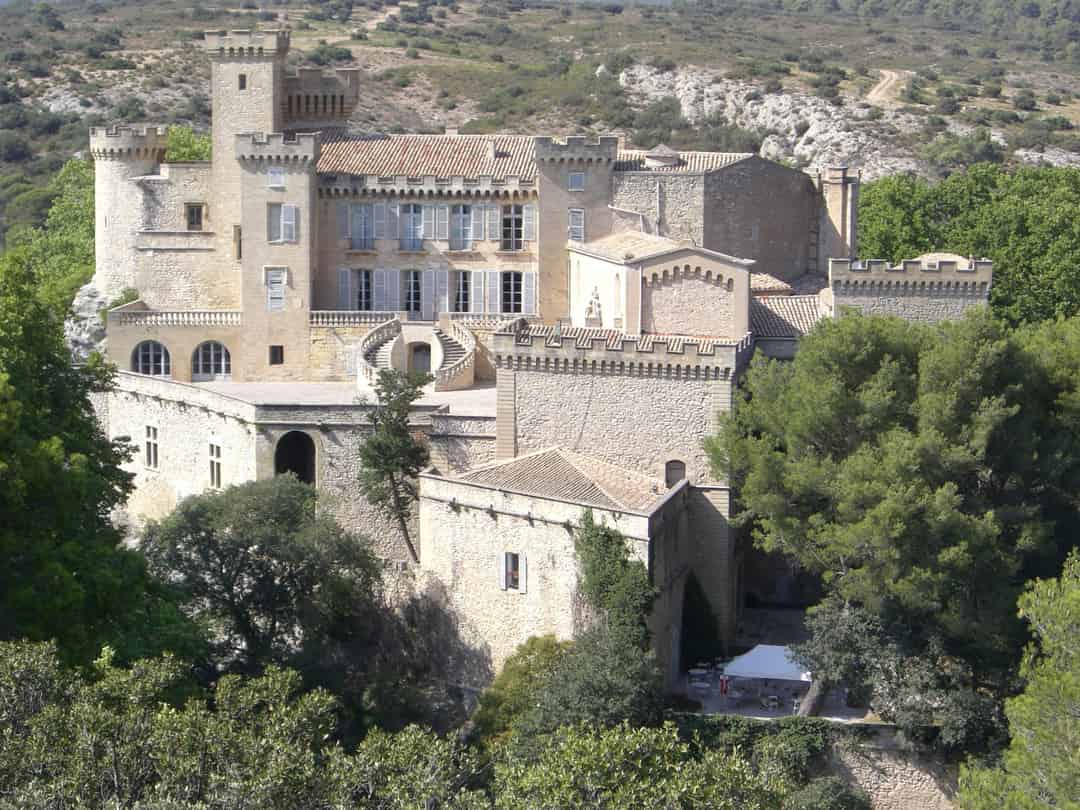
(452, 350)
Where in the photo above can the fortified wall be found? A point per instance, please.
(930, 288)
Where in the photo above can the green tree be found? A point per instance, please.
(1041, 767)
(184, 144)
(513, 692)
(391, 456)
(626, 767)
(923, 473)
(273, 576)
(65, 575)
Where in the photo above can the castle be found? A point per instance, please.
(586, 311)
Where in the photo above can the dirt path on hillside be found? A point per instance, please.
(886, 90)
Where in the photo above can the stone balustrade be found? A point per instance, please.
(378, 335)
(154, 317)
(461, 373)
(346, 317)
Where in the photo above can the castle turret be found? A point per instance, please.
(120, 155)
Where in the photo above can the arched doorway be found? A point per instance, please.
(295, 454)
(420, 358)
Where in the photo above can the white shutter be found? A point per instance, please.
(345, 288)
(427, 213)
(393, 290)
(427, 294)
(530, 223)
(392, 212)
(494, 228)
(501, 563)
(442, 222)
(343, 220)
(380, 221)
(275, 289)
(477, 213)
(442, 291)
(523, 574)
(288, 223)
(576, 229)
(378, 290)
(494, 292)
(528, 293)
(476, 291)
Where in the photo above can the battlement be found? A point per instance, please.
(524, 346)
(147, 142)
(312, 95)
(576, 149)
(245, 42)
(939, 272)
(275, 146)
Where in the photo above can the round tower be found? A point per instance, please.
(120, 154)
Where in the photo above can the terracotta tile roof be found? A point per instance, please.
(633, 160)
(784, 316)
(583, 336)
(499, 156)
(567, 476)
(635, 244)
(764, 282)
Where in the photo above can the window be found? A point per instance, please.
(211, 362)
(513, 227)
(511, 292)
(238, 242)
(194, 214)
(512, 572)
(461, 230)
(576, 229)
(215, 465)
(151, 357)
(361, 227)
(412, 227)
(275, 177)
(577, 181)
(461, 292)
(150, 453)
(275, 289)
(281, 222)
(674, 472)
(242, 81)
(412, 291)
(363, 290)
(277, 355)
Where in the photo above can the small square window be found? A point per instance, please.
(275, 178)
(577, 181)
(277, 355)
(242, 82)
(194, 214)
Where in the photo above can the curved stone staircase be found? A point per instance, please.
(458, 354)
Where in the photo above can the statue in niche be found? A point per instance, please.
(593, 316)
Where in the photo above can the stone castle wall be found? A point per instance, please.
(671, 205)
(896, 779)
(690, 305)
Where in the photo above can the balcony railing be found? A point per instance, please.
(410, 243)
(151, 317)
(347, 317)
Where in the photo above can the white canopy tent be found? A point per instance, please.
(767, 662)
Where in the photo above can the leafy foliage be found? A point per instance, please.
(65, 575)
(184, 144)
(1041, 767)
(924, 474)
(1020, 219)
(390, 456)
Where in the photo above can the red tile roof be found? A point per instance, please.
(784, 316)
(498, 156)
(633, 160)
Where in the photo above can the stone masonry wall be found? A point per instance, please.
(896, 779)
(940, 306)
(672, 205)
(333, 352)
(687, 306)
(635, 422)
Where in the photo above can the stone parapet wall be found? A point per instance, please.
(146, 142)
(896, 779)
(577, 149)
(277, 147)
(245, 42)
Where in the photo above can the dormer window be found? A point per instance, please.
(242, 82)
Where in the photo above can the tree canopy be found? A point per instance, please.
(925, 473)
(1021, 218)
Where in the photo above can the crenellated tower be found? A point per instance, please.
(120, 154)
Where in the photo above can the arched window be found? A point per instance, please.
(211, 361)
(151, 357)
(674, 472)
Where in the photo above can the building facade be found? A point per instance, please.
(585, 311)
